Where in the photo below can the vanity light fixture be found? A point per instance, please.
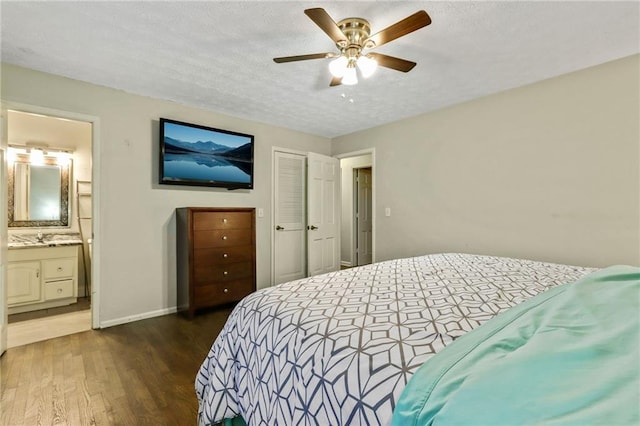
(63, 158)
(36, 157)
(14, 151)
(11, 155)
(39, 155)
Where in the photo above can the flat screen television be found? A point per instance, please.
(196, 155)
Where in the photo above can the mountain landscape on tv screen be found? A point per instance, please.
(176, 146)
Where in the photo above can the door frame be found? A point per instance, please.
(4, 318)
(95, 189)
(372, 152)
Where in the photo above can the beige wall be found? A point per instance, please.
(549, 171)
(136, 218)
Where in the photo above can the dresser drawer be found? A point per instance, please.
(221, 220)
(217, 294)
(205, 274)
(58, 289)
(58, 268)
(223, 255)
(222, 238)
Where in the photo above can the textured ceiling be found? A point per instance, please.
(218, 55)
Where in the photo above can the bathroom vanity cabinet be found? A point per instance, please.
(216, 256)
(41, 278)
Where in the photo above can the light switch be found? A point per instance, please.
(260, 212)
(387, 211)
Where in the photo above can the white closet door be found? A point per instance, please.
(323, 214)
(289, 217)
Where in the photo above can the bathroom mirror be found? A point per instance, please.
(38, 194)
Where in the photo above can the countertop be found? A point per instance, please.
(18, 241)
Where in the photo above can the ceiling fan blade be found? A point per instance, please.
(335, 81)
(401, 28)
(326, 24)
(392, 62)
(303, 57)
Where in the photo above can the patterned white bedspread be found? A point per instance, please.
(338, 349)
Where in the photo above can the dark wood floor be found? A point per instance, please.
(134, 374)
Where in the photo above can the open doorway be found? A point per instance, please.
(49, 169)
(357, 232)
(362, 216)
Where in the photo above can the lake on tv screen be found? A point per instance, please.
(202, 167)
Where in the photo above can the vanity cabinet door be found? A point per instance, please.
(23, 283)
(41, 278)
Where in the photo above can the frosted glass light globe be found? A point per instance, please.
(367, 65)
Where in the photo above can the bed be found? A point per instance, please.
(340, 348)
(569, 356)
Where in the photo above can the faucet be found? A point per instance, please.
(40, 236)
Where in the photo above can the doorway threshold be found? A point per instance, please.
(39, 329)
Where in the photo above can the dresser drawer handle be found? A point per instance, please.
(226, 290)
(224, 220)
(59, 290)
(59, 269)
(224, 237)
(225, 273)
(225, 255)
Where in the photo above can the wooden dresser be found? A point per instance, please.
(216, 256)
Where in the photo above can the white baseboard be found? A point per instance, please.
(345, 264)
(138, 317)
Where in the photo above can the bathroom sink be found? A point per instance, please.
(46, 240)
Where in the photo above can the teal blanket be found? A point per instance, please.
(568, 356)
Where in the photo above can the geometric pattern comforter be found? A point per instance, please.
(339, 348)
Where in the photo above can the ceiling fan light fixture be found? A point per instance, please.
(338, 66)
(367, 65)
(352, 36)
(350, 78)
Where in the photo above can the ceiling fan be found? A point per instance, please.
(352, 38)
